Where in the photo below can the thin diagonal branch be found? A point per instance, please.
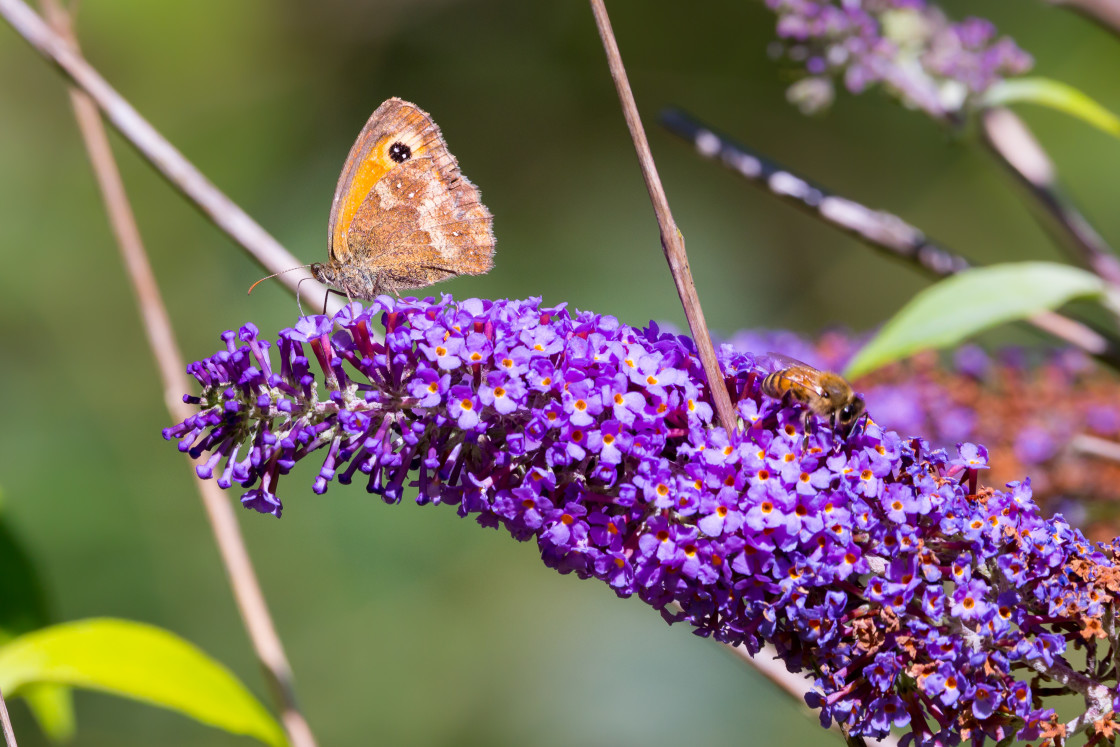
(179, 172)
(770, 666)
(672, 242)
(6, 724)
(161, 337)
(1084, 443)
(1098, 697)
(1106, 13)
(875, 228)
(1015, 146)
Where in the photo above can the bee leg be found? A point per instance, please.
(847, 431)
(859, 426)
(807, 427)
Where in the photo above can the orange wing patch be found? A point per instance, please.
(403, 215)
(369, 162)
(368, 173)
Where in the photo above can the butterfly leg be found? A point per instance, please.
(327, 295)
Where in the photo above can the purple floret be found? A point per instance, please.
(907, 46)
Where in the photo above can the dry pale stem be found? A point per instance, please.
(1083, 443)
(157, 325)
(671, 239)
(1104, 12)
(1017, 148)
(1098, 697)
(6, 723)
(877, 228)
(770, 666)
(178, 171)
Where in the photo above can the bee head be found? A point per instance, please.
(850, 412)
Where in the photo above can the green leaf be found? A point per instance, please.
(24, 608)
(53, 708)
(137, 661)
(1056, 95)
(962, 305)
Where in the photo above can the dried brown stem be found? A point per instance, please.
(1100, 346)
(1016, 147)
(179, 172)
(1098, 697)
(6, 723)
(157, 326)
(672, 242)
(875, 228)
(1083, 443)
(774, 669)
(1104, 12)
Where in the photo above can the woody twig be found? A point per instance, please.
(6, 724)
(672, 242)
(875, 228)
(1106, 13)
(239, 569)
(153, 147)
(1016, 148)
(795, 685)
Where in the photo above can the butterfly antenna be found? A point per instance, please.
(298, 304)
(269, 277)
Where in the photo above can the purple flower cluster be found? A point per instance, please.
(909, 46)
(914, 598)
(1033, 408)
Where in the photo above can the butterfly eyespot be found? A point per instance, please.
(363, 231)
(400, 152)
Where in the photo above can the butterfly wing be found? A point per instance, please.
(403, 208)
(366, 164)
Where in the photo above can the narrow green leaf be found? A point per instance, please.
(962, 305)
(25, 608)
(1056, 95)
(137, 661)
(53, 708)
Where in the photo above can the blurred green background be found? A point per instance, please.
(407, 625)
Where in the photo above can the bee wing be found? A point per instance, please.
(777, 361)
(804, 376)
(795, 372)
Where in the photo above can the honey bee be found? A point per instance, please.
(822, 393)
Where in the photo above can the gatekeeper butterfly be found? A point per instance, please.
(403, 215)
